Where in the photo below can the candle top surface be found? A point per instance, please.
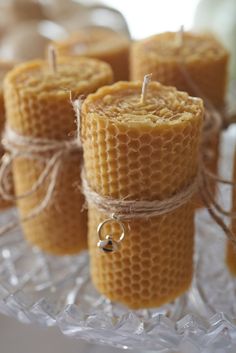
(92, 41)
(79, 74)
(185, 46)
(163, 105)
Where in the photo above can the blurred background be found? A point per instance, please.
(26, 28)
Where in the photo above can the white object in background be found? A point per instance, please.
(153, 16)
(219, 16)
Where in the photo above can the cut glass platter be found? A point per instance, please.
(49, 290)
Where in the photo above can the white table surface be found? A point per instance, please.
(16, 337)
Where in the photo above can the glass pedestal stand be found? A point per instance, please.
(47, 290)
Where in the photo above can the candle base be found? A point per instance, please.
(174, 309)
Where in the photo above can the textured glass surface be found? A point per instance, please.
(50, 290)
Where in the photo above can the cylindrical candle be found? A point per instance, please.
(38, 106)
(100, 43)
(4, 68)
(147, 150)
(203, 57)
(204, 61)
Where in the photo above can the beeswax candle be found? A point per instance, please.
(148, 150)
(38, 106)
(204, 61)
(4, 68)
(100, 43)
(203, 57)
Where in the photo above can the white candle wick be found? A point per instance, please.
(146, 80)
(52, 59)
(77, 104)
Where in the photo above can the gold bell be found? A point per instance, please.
(108, 244)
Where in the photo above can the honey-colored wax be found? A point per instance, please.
(170, 57)
(230, 247)
(203, 57)
(4, 68)
(38, 106)
(100, 43)
(142, 151)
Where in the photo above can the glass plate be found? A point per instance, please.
(50, 290)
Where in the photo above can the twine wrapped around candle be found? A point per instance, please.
(38, 105)
(121, 209)
(18, 146)
(126, 209)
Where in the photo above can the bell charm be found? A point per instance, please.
(108, 244)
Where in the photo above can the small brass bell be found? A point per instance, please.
(108, 244)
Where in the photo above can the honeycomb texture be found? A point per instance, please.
(142, 152)
(204, 58)
(99, 43)
(230, 249)
(4, 68)
(38, 105)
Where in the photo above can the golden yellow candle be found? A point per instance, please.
(99, 43)
(202, 58)
(38, 105)
(230, 248)
(142, 150)
(4, 68)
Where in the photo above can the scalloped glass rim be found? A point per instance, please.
(69, 301)
(50, 290)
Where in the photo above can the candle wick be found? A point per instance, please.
(52, 59)
(146, 81)
(77, 104)
(180, 37)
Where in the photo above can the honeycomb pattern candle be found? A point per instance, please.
(203, 59)
(38, 106)
(4, 68)
(142, 150)
(100, 43)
